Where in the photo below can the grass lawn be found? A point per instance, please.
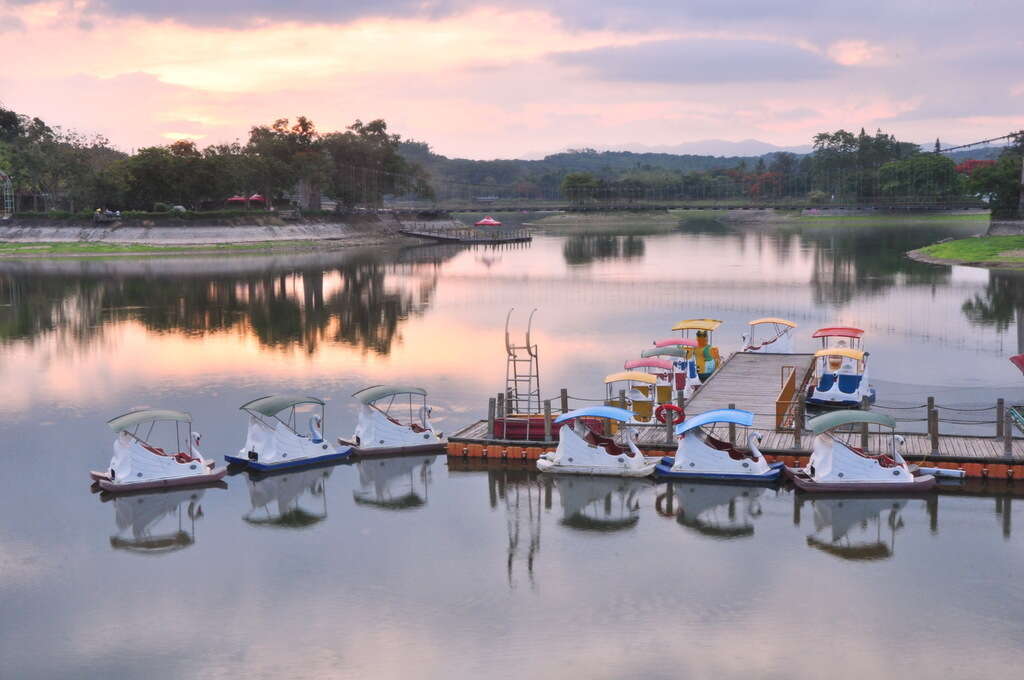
(1002, 249)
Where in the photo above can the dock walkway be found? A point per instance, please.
(469, 235)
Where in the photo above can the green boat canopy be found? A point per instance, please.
(372, 394)
(835, 419)
(663, 352)
(275, 403)
(146, 415)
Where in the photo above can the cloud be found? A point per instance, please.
(702, 61)
(10, 23)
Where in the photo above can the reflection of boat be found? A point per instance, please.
(718, 510)
(702, 455)
(276, 499)
(707, 356)
(842, 526)
(600, 503)
(138, 464)
(837, 466)
(769, 336)
(273, 443)
(137, 515)
(379, 430)
(841, 371)
(394, 483)
(583, 451)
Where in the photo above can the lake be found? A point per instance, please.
(411, 568)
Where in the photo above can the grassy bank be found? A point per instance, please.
(985, 251)
(98, 249)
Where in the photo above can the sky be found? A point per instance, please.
(499, 80)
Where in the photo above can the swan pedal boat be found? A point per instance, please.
(700, 455)
(835, 466)
(379, 432)
(138, 465)
(582, 451)
(273, 443)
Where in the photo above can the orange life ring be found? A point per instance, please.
(659, 413)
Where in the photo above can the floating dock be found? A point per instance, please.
(470, 235)
(772, 387)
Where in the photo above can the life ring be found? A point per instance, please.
(659, 413)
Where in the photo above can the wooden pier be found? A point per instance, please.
(470, 235)
(772, 386)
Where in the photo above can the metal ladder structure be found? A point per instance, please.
(6, 197)
(522, 373)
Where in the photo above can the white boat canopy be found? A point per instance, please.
(378, 392)
(147, 415)
(275, 403)
(836, 419)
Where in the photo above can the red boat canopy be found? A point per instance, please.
(838, 332)
(488, 222)
(647, 363)
(1018, 361)
(672, 342)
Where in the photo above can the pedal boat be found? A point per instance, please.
(680, 351)
(769, 336)
(663, 372)
(582, 451)
(701, 455)
(380, 432)
(632, 391)
(835, 466)
(840, 379)
(273, 443)
(706, 355)
(138, 465)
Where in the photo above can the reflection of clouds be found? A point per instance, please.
(22, 564)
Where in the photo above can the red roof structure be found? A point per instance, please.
(488, 222)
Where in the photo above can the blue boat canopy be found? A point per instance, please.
(613, 412)
(722, 415)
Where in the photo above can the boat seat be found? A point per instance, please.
(417, 428)
(849, 383)
(826, 382)
(734, 453)
(680, 381)
(884, 460)
(607, 443)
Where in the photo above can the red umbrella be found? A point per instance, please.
(488, 222)
(256, 198)
(237, 199)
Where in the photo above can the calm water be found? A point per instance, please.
(410, 568)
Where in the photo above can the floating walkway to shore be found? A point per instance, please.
(469, 235)
(772, 387)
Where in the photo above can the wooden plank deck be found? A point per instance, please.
(470, 236)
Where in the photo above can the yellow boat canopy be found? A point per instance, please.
(841, 352)
(772, 319)
(635, 376)
(697, 325)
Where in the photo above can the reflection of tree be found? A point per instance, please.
(1000, 304)
(865, 260)
(587, 248)
(364, 306)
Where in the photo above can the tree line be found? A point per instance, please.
(56, 169)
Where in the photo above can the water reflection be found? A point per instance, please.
(720, 511)
(580, 249)
(156, 523)
(348, 298)
(396, 483)
(855, 528)
(600, 503)
(522, 494)
(999, 304)
(288, 500)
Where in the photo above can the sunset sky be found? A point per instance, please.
(484, 80)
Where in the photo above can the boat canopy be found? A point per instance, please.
(838, 332)
(275, 403)
(647, 363)
(673, 342)
(664, 352)
(146, 415)
(841, 352)
(612, 412)
(372, 394)
(697, 325)
(771, 319)
(635, 376)
(721, 415)
(835, 419)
